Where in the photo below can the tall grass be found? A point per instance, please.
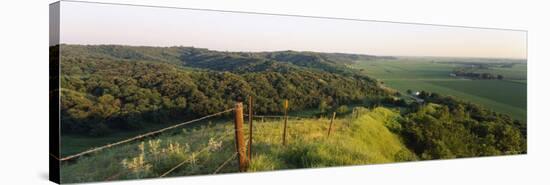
(364, 140)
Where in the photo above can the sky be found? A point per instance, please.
(92, 23)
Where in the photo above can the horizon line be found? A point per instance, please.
(263, 51)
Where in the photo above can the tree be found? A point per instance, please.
(106, 106)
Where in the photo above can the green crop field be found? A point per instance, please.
(507, 96)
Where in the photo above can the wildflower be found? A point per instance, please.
(214, 145)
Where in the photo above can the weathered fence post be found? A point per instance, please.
(331, 121)
(239, 136)
(286, 119)
(250, 114)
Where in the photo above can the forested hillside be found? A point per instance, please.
(107, 87)
(446, 127)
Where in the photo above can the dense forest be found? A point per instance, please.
(109, 87)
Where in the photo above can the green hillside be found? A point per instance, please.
(365, 140)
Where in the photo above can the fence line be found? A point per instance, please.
(185, 161)
(225, 162)
(198, 153)
(229, 159)
(189, 159)
(276, 116)
(177, 166)
(142, 135)
(54, 156)
(238, 130)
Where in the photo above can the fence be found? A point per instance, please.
(243, 150)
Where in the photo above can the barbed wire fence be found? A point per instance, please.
(242, 149)
(190, 158)
(142, 136)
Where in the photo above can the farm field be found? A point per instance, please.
(507, 96)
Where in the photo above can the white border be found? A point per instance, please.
(24, 94)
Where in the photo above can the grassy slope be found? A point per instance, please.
(73, 144)
(422, 75)
(366, 140)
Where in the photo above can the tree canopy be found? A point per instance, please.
(121, 87)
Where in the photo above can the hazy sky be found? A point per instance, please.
(88, 23)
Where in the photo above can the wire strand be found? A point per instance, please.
(182, 163)
(190, 158)
(225, 162)
(142, 136)
(229, 159)
(276, 116)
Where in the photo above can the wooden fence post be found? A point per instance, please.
(250, 114)
(286, 119)
(239, 136)
(331, 121)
